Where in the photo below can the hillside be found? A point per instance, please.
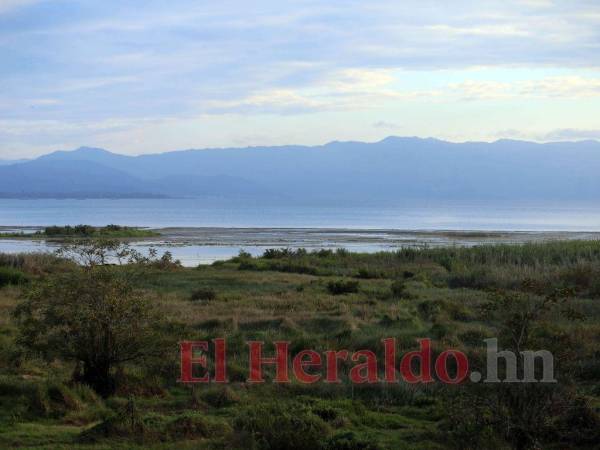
(387, 172)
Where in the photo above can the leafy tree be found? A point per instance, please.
(92, 315)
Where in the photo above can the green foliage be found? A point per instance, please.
(203, 294)
(538, 296)
(88, 231)
(84, 232)
(350, 441)
(368, 274)
(398, 289)
(11, 276)
(93, 316)
(220, 396)
(339, 287)
(280, 426)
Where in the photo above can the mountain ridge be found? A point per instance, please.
(388, 171)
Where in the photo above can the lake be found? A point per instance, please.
(160, 213)
(196, 231)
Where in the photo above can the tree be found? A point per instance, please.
(521, 414)
(92, 315)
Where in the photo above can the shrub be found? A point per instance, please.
(368, 274)
(290, 266)
(61, 312)
(248, 265)
(340, 287)
(205, 294)
(278, 253)
(220, 396)
(243, 254)
(11, 276)
(475, 279)
(194, 425)
(349, 441)
(398, 289)
(580, 276)
(280, 426)
(579, 425)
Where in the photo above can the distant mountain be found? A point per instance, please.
(391, 171)
(67, 178)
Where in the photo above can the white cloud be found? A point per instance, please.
(572, 87)
(246, 60)
(481, 30)
(383, 124)
(571, 134)
(82, 84)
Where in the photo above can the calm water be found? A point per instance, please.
(197, 213)
(193, 247)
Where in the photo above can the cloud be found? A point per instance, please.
(572, 87)
(564, 134)
(382, 124)
(269, 101)
(571, 134)
(487, 30)
(100, 60)
(82, 84)
(341, 90)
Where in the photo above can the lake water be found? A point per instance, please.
(199, 232)
(162, 213)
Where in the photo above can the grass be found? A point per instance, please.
(323, 300)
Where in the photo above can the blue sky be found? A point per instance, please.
(141, 77)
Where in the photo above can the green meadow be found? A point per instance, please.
(531, 296)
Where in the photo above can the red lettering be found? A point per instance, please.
(389, 346)
(280, 361)
(299, 364)
(424, 357)
(220, 361)
(462, 366)
(332, 367)
(186, 351)
(357, 373)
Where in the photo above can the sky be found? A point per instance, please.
(144, 77)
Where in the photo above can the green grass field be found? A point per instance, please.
(325, 300)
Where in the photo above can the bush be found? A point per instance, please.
(194, 425)
(11, 276)
(349, 441)
(292, 267)
(278, 253)
(205, 294)
(57, 317)
(220, 396)
(129, 423)
(367, 274)
(579, 426)
(280, 426)
(340, 287)
(474, 279)
(398, 289)
(248, 265)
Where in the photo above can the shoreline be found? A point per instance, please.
(317, 237)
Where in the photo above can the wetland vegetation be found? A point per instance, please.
(61, 388)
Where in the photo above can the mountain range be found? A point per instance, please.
(390, 171)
